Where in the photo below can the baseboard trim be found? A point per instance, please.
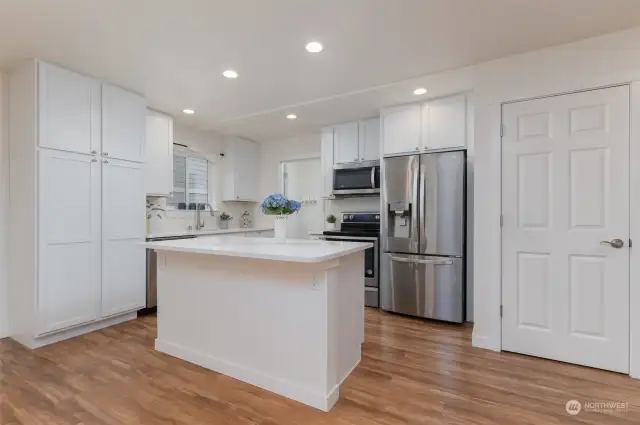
(482, 341)
(259, 379)
(34, 343)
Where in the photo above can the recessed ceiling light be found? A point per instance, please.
(314, 47)
(230, 73)
(420, 91)
(292, 116)
(189, 111)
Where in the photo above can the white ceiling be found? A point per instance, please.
(174, 51)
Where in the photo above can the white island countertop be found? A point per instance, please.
(294, 250)
(205, 232)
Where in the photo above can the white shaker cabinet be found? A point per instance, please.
(444, 123)
(123, 227)
(369, 139)
(158, 167)
(76, 215)
(123, 124)
(69, 110)
(241, 170)
(346, 143)
(326, 161)
(401, 129)
(69, 240)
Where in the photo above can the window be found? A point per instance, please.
(190, 181)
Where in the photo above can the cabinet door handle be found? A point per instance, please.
(94, 160)
(105, 161)
(355, 160)
(93, 152)
(105, 153)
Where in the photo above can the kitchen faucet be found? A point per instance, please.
(199, 222)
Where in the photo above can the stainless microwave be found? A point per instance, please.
(360, 178)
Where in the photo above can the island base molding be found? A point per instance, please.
(294, 329)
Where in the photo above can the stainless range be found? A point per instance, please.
(359, 227)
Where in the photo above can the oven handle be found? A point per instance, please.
(373, 177)
(410, 260)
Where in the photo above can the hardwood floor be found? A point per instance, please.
(412, 372)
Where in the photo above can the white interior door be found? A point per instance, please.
(565, 188)
(69, 239)
(302, 181)
(123, 229)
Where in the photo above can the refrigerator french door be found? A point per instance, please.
(423, 235)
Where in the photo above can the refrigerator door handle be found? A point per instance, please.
(422, 261)
(373, 177)
(422, 210)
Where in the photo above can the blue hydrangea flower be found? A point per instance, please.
(278, 204)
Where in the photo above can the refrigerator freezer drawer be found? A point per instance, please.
(424, 286)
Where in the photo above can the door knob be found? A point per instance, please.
(614, 243)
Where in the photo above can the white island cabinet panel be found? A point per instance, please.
(123, 259)
(69, 248)
(258, 285)
(67, 103)
(123, 124)
(158, 167)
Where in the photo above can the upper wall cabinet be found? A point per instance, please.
(158, 167)
(444, 123)
(241, 170)
(369, 139)
(401, 127)
(345, 143)
(436, 124)
(69, 109)
(123, 124)
(356, 141)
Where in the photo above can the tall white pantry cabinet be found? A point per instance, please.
(77, 203)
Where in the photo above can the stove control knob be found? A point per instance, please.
(377, 217)
(350, 217)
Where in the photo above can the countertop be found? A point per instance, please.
(293, 250)
(205, 232)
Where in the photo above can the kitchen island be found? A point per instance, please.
(284, 316)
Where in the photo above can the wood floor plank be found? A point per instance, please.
(412, 372)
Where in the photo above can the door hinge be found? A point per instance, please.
(501, 220)
(501, 310)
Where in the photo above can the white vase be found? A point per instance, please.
(280, 227)
(331, 226)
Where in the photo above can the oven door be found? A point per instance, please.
(371, 260)
(357, 179)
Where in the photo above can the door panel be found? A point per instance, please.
(444, 123)
(426, 286)
(442, 203)
(369, 134)
(69, 240)
(565, 189)
(123, 260)
(124, 118)
(68, 110)
(400, 214)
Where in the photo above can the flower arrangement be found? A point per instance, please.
(278, 204)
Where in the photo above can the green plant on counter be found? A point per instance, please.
(225, 217)
(331, 219)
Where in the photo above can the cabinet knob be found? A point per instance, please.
(356, 159)
(105, 153)
(93, 152)
(361, 159)
(94, 160)
(417, 148)
(105, 161)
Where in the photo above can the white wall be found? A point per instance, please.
(4, 202)
(586, 64)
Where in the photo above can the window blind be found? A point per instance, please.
(190, 180)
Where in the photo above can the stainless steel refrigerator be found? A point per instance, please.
(423, 235)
